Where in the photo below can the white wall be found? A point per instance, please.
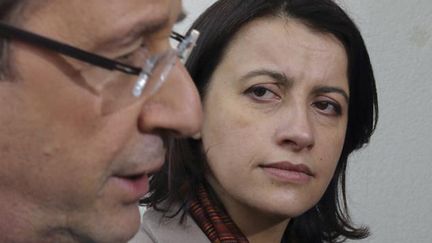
(389, 182)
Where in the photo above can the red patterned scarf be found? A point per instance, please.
(213, 221)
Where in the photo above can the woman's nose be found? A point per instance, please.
(295, 129)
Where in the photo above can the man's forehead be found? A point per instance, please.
(110, 10)
(104, 17)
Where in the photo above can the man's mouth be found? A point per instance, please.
(135, 186)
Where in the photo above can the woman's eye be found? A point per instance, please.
(328, 107)
(261, 93)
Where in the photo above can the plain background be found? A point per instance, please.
(389, 182)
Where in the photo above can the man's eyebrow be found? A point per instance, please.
(154, 26)
(148, 28)
(182, 16)
(145, 27)
(137, 29)
(275, 75)
(331, 89)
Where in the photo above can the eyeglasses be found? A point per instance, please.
(116, 88)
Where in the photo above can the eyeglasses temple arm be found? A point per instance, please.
(100, 61)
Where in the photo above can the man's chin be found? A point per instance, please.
(111, 228)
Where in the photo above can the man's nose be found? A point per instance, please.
(175, 108)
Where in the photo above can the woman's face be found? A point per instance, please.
(275, 118)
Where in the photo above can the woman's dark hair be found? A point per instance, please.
(329, 220)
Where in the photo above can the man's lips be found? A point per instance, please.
(134, 187)
(135, 183)
(288, 172)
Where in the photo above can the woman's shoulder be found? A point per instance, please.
(157, 228)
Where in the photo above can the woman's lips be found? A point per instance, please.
(288, 173)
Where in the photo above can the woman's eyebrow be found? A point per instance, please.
(279, 77)
(331, 89)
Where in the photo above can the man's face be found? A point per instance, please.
(66, 168)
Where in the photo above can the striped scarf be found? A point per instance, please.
(213, 221)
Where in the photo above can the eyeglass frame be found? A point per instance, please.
(10, 32)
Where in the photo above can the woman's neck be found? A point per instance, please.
(258, 226)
